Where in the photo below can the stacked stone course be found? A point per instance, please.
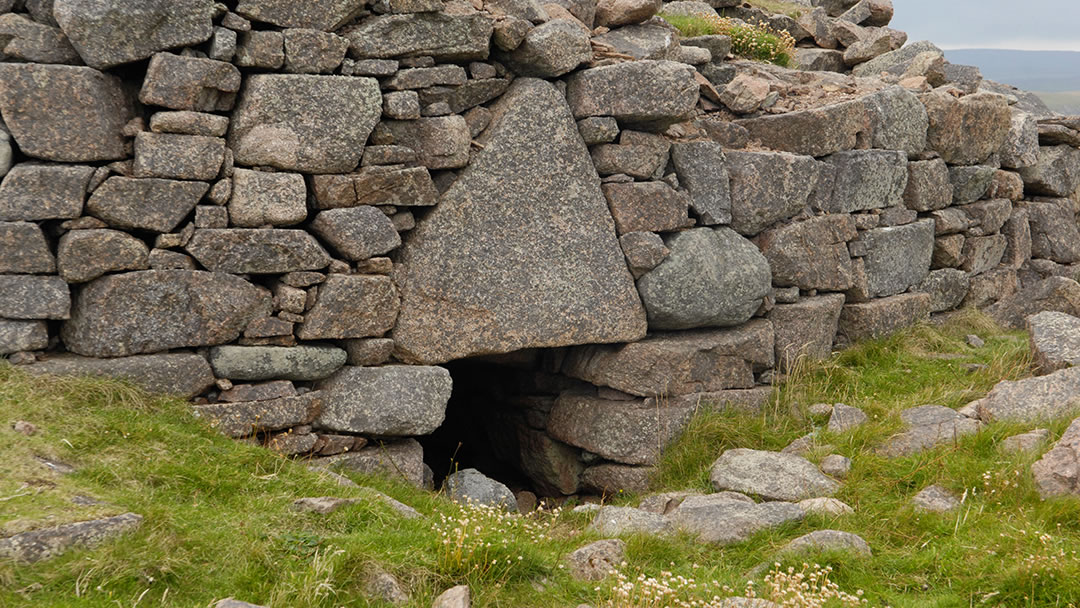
(294, 213)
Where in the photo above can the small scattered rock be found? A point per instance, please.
(771, 475)
(828, 540)
(935, 499)
(836, 466)
(613, 521)
(454, 597)
(37, 545)
(1057, 473)
(825, 506)
(24, 427)
(1025, 442)
(597, 560)
(845, 418)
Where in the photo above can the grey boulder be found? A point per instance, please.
(726, 519)
(470, 486)
(1054, 340)
(395, 400)
(771, 475)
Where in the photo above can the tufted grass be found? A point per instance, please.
(756, 41)
(218, 521)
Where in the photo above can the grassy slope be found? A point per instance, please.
(218, 521)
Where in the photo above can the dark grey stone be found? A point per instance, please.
(21, 336)
(280, 121)
(469, 486)
(326, 15)
(1057, 172)
(253, 363)
(867, 179)
(1055, 340)
(898, 120)
(550, 50)
(1054, 232)
(947, 288)
(767, 187)
(112, 32)
(240, 250)
(712, 278)
(155, 310)
(45, 543)
(474, 248)
(249, 417)
(928, 186)
(629, 432)
(828, 540)
(970, 184)
(897, 257)
(26, 40)
(439, 35)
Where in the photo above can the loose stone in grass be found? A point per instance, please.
(1058, 472)
(454, 597)
(1025, 442)
(231, 603)
(928, 426)
(596, 561)
(613, 521)
(1032, 399)
(975, 341)
(723, 519)
(382, 585)
(1055, 340)
(836, 466)
(323, 505)
(825, 506)
(935, 499)
(470, 485)
(771, 475)
(828, 540)
(845, 417)
(37, 545)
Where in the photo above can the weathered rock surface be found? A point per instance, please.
(828, 540)
(112, 32)
(155, 310)
(1032, 399)
(866, 179)
(470, 281)
(825, 506)
(1025, 442)
(615, 521)
(454, 597)
(1050, 294)
(445, 37)
(935, 499)
(84, 255)
(638, 92)
(966, 131)
(34, 297)
(22, 336)
(550, 50)
(242, 250)
(928, 426)
(882, 316)
(327, 15)
(190, 83)
(249, 417)
(724, 519)
(27, 40)
(815, 132)
(32, 191)
(811, 254)
(357, 233)
(928, 186)
(1055, 340)
(152, 204)
(24, 250)
(1054, 232)
(630, 432)
(767, 187)
(1057, 473)
(64, 113)
(183, 374)
(278, 121)
(403, 458)
(702, 170)
(805, 329)
(253, 363)
(597, 560)
(771, 475)
(844, 418)
(712, 278)
(1057, 173)
(469, 486)
(898, 257)
(677, 363)
(260, 198)
(37, 545)
(356, 306)
(387, 401)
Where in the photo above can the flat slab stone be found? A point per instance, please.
(155, 310)
(771, 475)
(1032, 399)
(596, 560)
(107, 33)
(1057, 473)
(928, 426)
(253, 363)
(396, 400)
(1055, 340)
(512, 258)
(279, 121)
(326, 15)
(442, 36)
(185, 374)
(805, 329)
(255, 251)
(629, 432)
(882, 316)
(935, 499)
(726, 520)
(397, 459)
(1025, 442)
(46, 543)
(65, 113)
(34, 297)
(249, 417)
(713, 277)
(677, 363)
(814, 132)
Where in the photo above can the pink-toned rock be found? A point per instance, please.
(613, 13)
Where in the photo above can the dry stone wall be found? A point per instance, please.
(295, 213)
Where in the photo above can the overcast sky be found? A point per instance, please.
(1047, 25)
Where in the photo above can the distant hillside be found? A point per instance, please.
(1053, 75)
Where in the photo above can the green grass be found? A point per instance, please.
(218, 521)
(758, 42)
(778, 6)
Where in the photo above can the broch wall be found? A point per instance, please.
(295, 213)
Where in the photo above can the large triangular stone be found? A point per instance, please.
(521, 251)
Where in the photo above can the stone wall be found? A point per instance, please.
(295, 213)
